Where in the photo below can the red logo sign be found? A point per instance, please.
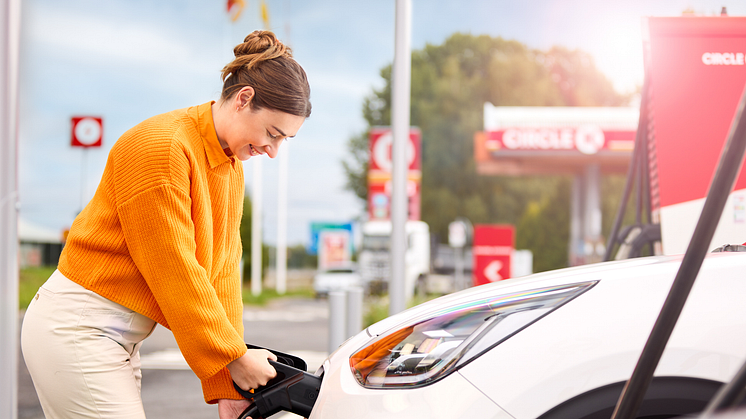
(87, 131)
(379, 174)
(492, 250)
(588, 140)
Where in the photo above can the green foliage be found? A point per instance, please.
(29, 281)
(246, 242)
(612, 189)
(268, 295)
(544, 227)
(246, 238)
(450, 84)
(357, 170)
(246, 226)
(298, 257)
(377, 308)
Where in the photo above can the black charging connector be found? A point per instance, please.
(293, 389)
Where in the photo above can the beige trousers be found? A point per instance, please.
(82, 351)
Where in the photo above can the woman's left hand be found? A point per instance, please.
(231, 409)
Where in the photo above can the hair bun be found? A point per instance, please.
(262, 44)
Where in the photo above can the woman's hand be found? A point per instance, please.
(231, 409)
(252, 370)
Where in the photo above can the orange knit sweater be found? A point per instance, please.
(161, 237)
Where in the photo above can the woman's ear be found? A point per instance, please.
(244, 96)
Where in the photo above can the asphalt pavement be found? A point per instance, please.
(171, 390)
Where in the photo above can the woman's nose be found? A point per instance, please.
(271, 150)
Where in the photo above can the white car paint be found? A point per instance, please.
(592, 341)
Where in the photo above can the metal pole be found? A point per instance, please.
(10, 17)
(281, 262)
(256, 227)
(458, 267)
(83, 164)
(577, 240)
(401, 80)
(636, 160)
(729, 396)
(721, 186)
(354, 311)
(592, 212)
(336, 319)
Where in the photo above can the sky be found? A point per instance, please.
(128, 60)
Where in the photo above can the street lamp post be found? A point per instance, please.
(401, 81)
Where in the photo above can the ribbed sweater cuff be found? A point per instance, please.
(219, 386)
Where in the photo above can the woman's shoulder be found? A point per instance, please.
(161, 147)
(159, 134)
(164, 127)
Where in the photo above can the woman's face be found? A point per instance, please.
(255, 132)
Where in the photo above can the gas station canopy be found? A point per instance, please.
(531, 140)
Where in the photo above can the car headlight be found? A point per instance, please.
(432, 346)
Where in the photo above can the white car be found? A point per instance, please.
(552, 345)
(336, 279)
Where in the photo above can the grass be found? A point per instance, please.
(378, 307)
(269, 294)
(30, 279)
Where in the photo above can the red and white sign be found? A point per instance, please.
(87, 131)
(492, 249)
(379, 173)
(532, 140)
(587, 139)
(696, 79)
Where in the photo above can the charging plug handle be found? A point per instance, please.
(292, 390)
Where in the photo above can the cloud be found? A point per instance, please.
(89, 39)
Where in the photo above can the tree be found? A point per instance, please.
(450, 84)
(246, 237)
(246, 242)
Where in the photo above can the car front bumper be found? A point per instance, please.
(342, 397)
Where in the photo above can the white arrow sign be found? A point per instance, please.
(492, 271)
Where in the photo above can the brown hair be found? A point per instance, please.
(267, 65)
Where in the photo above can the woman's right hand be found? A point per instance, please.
(252, 370)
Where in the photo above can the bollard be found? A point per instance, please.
(354, 311)
(336, 319)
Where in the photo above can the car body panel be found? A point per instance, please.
(592, 341)
(341, 397)
(588, 352)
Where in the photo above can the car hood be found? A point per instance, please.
(556, 277)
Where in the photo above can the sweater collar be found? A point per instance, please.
(215, 154)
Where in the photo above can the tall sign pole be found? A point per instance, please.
(87, 132)
(257, 201)
(10, 19)
(281, 265)
(400, 103)
(256, 226)
(281, 255)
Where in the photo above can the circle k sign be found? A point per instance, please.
(87, 131)
(380, 150)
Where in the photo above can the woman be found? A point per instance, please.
(159, 243)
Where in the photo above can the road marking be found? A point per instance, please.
(299, 316)
(167, 359)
